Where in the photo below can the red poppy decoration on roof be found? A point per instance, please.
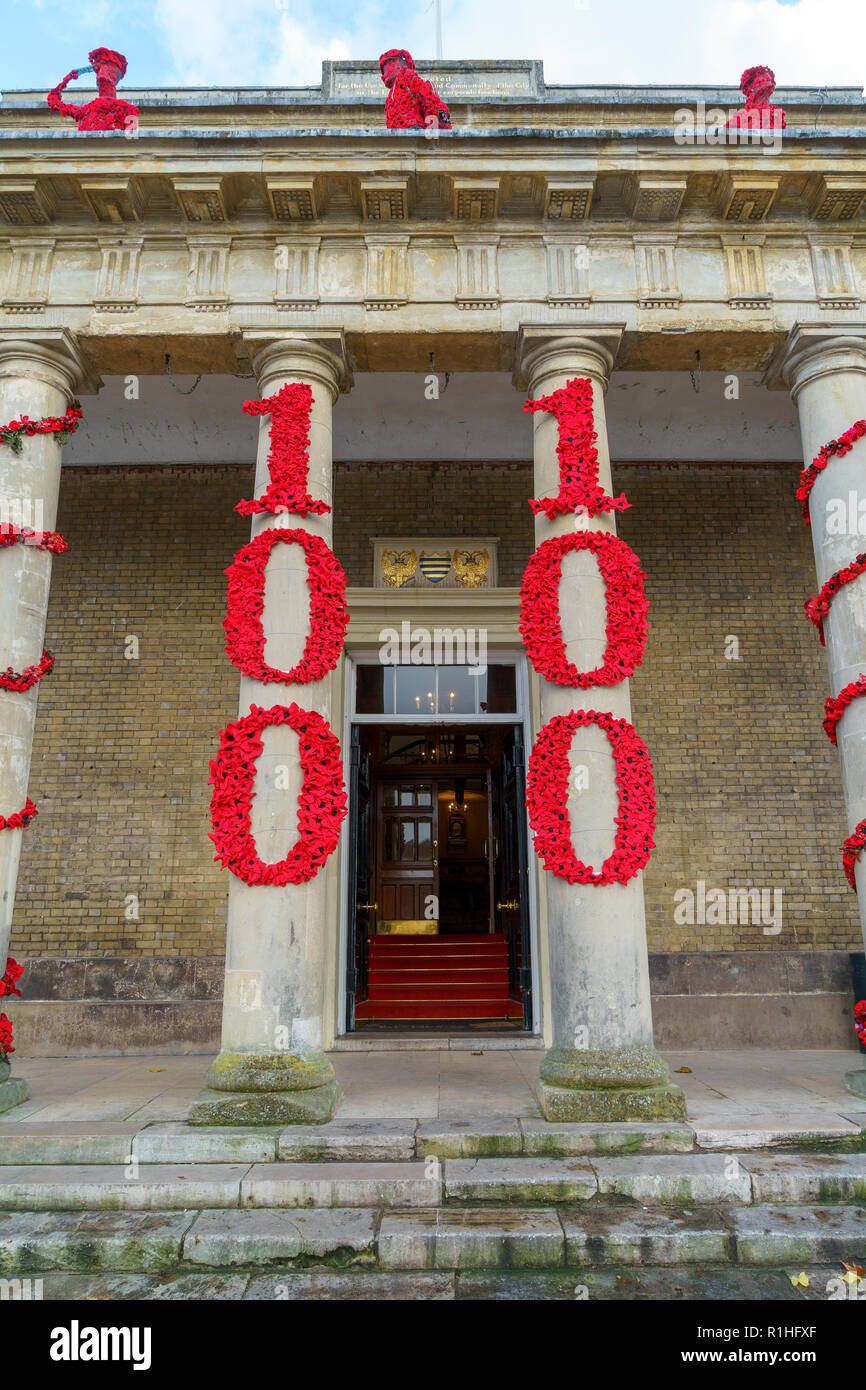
(321, 803)
(411, 101)
(547, 787)
(329, 616)
(579, 488)
(540, 617)
(108, 111)
(289, 455)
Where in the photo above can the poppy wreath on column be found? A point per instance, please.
(329, 616)
(321, 804)
(547, 788)
(5, 1037)
(19, 819)
(837, 448)
(835, 707)
(19, 681)
(40, 540)
(61, 425)
(851, 851)
(579, 488)
(289, 454)
(818, 606)
(541, 620)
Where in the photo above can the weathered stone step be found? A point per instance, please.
(482, 1239)
(598, 1285)
(159, 1186)
(365, 1141)
(648, 1180)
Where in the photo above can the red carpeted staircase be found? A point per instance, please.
(416, 977)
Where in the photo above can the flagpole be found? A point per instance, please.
(438, 8)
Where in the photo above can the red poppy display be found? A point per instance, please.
(62, 425)
(19, 681)
(837, 448)
(11, 534)
(10, 979)
(851, 851)
(547, 786)
(329, 616)
(818, 606)
(579, 488)
(321, 804)
(541, 621)
(835, 707)
(19, 819)
(5, 1036)
(289, 454)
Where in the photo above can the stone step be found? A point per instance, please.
(674, 1180)
(398, 1140)
(728, 1282)
(490, 1238)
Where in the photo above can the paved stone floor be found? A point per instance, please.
(743, 1098)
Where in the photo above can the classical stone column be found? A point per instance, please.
(602, 1064)
(39, 376)
(271, 1068)
(824, 367)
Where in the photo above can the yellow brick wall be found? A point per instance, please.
(748, 785)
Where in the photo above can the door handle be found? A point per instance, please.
(512, 905)
(366, 907)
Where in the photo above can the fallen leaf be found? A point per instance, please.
(855, 1269)
(680, 1069)
(800, 1280)
(156, 1069)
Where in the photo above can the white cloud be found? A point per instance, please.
(585, 42)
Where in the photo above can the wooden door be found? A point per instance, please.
(407, 851)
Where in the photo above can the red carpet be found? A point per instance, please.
(438, 977)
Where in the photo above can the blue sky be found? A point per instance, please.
(282, 42)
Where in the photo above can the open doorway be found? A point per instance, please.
(438, 882)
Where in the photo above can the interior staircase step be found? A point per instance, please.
(426, 1009)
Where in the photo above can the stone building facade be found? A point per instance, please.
(424, 287)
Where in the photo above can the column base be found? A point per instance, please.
(12, 1092)
(856, 1082)
(607, 1085)
(267, 1088)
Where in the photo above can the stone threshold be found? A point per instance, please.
(438, 1042)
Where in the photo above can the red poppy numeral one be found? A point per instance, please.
(579, 488)
(289, 455)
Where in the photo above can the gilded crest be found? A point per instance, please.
(471, 567)
(398, 566)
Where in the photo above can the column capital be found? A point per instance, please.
(586, 349)
(814, 350)
(316, 355)
(50, 355)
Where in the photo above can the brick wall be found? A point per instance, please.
(748, 785)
